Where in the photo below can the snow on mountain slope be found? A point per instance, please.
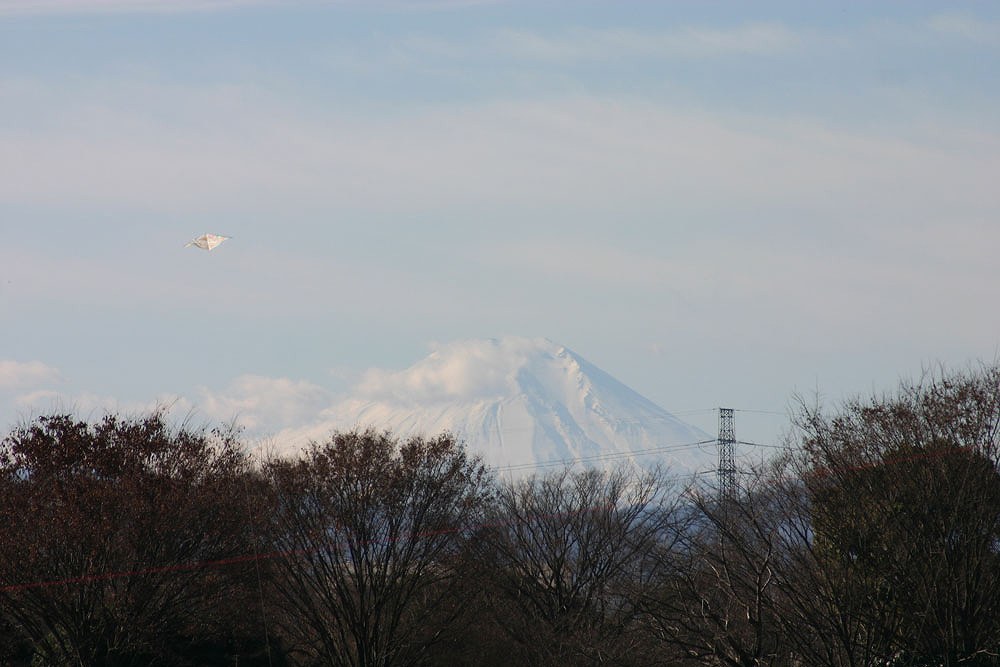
(520, 403)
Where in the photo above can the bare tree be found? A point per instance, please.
(114, 533)
(563, 557)
(904, 497)
(823, 615)
(367, 528)
(876, 543)
(714, 599)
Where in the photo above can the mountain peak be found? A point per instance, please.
(517, 402)
(462, 371)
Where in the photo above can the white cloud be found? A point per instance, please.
(263, 404)
(260, 404)
(26, 374)
(296, 411)
(26, 390)
(467, 369)
(35, 400)
(87, 404)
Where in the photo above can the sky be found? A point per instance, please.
(720, 204)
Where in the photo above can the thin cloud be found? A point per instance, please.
(577, 151)
(588, 263)
(688, 42)
(35, 7)
(24, 374)
(54, 7)
(966, 28)
(265, 404)
(88, 405)
(464, 370)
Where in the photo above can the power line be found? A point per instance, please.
(687, 413)
(600, 457)
(618, 455)
(759, 444)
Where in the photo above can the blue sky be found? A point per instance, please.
(718, 203)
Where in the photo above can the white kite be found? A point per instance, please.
(207, 241)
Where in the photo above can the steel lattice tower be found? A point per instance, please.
(727, 461)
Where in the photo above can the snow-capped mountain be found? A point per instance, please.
(520, 403)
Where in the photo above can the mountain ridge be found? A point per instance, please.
(519, 403)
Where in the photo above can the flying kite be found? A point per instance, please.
(207, 241)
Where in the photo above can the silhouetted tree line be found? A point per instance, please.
(873, 540)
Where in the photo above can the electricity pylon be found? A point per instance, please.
(727, 461)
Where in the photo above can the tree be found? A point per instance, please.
(875, 543)
(563, 556)
(757, 589)
(904, 494)
(114, 534)
(367, 528)
(714, 601)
